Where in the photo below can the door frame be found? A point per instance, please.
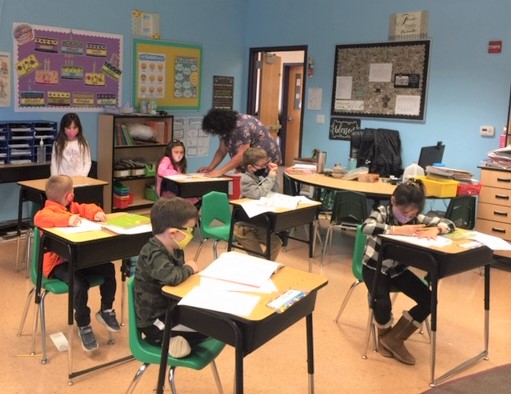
(253, 82)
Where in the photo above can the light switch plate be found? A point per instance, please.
(487, 131)
(320, 119)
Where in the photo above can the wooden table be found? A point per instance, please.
(246, 334)
(440, 262)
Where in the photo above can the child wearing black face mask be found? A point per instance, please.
(259, 179)
(401, 217)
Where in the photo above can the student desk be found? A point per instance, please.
(196, 185)
(280, 220)
(246, 334)
(84, 250)
(440, 263)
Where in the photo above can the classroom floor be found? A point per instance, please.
(280, 365)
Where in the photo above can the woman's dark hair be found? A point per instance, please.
(411, 192)
(182, 165)
(171, 212)
(60, 142)
(219, 121)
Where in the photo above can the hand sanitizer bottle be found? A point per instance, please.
(41, 152)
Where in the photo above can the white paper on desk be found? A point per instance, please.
(218, 284)
(439, 242)
(193, 176)
(241, 268)
(144, 228)
(272, 202)
(494, 243)
(235, 303)
(85, 225)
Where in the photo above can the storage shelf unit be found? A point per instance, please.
(494, 207)
(19, 140)
(110, 151)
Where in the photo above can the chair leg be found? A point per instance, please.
(29, 236)
(217, 377)
(25, 311)
(325, 244)
(346, 298)
(215, 249)
(44, 359)
(137, 377)
(172, 383)
(369, 331)
(199, 249)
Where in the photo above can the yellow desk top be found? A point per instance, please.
(321, 180)
(78, 181)
(284, 279)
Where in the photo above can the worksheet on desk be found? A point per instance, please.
(84, 226)
(438, 242)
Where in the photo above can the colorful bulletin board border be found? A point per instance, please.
(167, 72)
(57, 68)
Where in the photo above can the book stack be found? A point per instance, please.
(122, 136)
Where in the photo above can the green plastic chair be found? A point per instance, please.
(215, 222)
(356, 269)
(53, 286)
(202, 354)
(349, 211)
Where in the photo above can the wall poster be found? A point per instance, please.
(5, 79)
(168, 73)
(56, 69)
(381, 80)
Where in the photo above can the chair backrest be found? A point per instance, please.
(290, 186)
(349, 208)
(215, 207)
(462, 211)
(358, 253)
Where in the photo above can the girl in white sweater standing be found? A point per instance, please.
(71, 152)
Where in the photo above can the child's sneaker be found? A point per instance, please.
(88, 339)
(108, 319)
(179, 347)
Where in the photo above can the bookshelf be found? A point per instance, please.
(128, 164)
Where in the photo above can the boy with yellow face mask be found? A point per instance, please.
(162, 262)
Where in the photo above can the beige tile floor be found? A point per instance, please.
(280, 365)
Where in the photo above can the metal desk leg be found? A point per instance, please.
(165, 349)
(310, 352)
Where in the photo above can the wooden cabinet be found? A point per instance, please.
(114, 150)
(494, 208)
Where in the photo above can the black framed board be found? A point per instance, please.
(381, 80)
(341, 128)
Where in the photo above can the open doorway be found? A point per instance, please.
(276, 90)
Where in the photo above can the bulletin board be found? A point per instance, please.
(167, 72)
(58, 68)
(381, 80)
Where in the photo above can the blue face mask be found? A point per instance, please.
(403, 219)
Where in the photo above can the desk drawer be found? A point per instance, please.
(501, 179)
(498, 229)
(493, 195)
(496, 213)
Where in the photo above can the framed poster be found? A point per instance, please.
(381, 80)
(167, 72)
(58, 69)
(223, 92)
(341, 128)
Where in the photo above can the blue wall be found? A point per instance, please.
(467, 86)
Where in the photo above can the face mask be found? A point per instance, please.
(71, 134)
(186, 240)
(177, 158)
(261, 172)
(403, 219)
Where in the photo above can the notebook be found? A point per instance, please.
(129, 220)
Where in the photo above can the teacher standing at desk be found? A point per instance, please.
(237, 133)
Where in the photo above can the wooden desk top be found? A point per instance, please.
(284, 279)
(191, 178)
(78, 181)
(453, 248)
(370, 188)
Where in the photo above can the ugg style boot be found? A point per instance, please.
(394, 341)
(381, 333)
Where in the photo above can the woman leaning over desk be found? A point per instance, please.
(237, 133)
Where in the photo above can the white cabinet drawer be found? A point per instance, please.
(497, 213)
(501, 179)
(498, 229)
(493, 195)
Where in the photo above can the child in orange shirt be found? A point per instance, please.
(61, 211)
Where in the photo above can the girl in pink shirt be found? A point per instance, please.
(174, 162)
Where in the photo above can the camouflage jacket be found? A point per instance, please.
(156, 267)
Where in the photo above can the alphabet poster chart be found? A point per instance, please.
(57, 69)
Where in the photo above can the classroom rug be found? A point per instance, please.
(495, 381)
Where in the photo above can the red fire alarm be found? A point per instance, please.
(495, 46)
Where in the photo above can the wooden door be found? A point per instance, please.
(269, 92)
(294, 114)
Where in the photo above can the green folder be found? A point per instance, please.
(129, 220)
